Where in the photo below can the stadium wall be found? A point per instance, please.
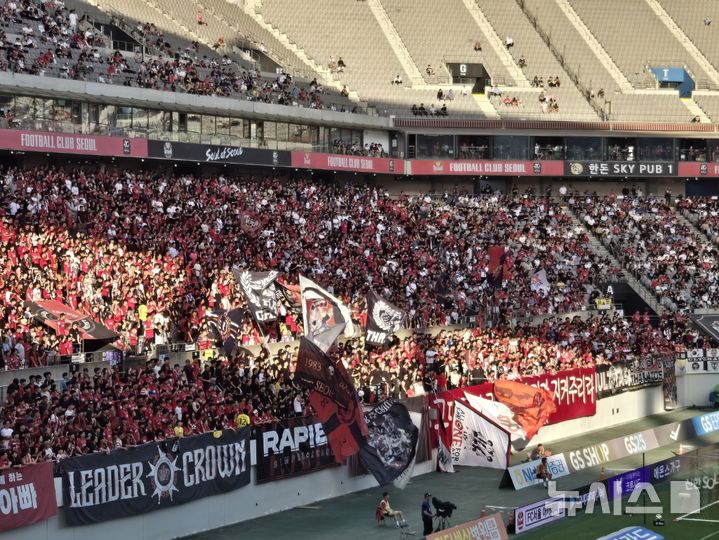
(257, 500)
(611, 411)
(695, 389)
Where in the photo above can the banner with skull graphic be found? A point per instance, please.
(383, 319)
(260, 292)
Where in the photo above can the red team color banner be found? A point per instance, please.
(698, 168)
(486, 168)
(70, 143)
(335, 162)
(27, 495)
(575, 396)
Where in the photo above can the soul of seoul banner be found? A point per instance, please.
(99, 487)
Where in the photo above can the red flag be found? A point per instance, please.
(531, 406)
(346, 429)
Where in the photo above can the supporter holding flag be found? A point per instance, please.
(383, 319)
(324, 316)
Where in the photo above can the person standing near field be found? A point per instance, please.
(427, 514)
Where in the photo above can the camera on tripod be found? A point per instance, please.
(444, 508)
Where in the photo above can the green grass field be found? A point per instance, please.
(703, 525)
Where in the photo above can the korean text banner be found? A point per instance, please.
(292, 447)
(486, 528)
(100, 487)
(27, 495)
(574, 395)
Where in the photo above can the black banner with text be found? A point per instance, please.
(126, 482)
(212, 153)
(292, 447)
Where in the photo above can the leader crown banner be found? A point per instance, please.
(126, 482)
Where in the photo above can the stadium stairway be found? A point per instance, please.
(695, 110)
(692, 50)
(684, 218)
(251, 7)
(596, 48)
(495, 41)
(395, 41)
(643, 292)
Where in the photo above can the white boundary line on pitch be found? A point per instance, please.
(681, 518)
(704, 520)
(710, 535)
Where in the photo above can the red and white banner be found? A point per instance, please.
(71, 143)
(575, 396)
(499, 413)
(698, 168)
(335, 162)
(27, 495)
(476, 440)
(419, 167)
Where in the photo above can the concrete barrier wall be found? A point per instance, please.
(695, 389)
(257, 500)
(619, 409)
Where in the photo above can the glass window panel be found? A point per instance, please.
(511, 147)
(208, 124)
(435, 146)
(584, 148)
(222, 125)
(193, 123)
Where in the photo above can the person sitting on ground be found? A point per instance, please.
(543, 471)
(443, 110)
(386, 510)
(397, 79)
(477, 46)
(430, 70)
(415, 110)
(539, 452)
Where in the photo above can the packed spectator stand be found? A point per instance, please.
(150, 255)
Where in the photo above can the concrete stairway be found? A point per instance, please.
(622, 82)
(598, 247)
(683, 218)
(695, 110)
(395, 41)
(688, 44)
(497, 44)
(325, 76)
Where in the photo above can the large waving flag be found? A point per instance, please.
(334, 398)
(383, 319)
(325, 317)
(500, 414)
(531, 405)
(477, 441)
(391, 446)
(260, 292)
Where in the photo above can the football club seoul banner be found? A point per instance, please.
(126, 482)
(72, 143)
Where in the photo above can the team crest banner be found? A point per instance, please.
(325, 317)
(383, 319)
(126, 482)
(260, 292)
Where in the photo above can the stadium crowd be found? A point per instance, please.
(150, 255)
(89, 412)
(651, 241)
(50, 40)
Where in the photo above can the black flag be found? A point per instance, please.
(260, 292)
(316, 371)
(392, 442)
(383, 319)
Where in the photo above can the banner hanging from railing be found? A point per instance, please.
(27, 495)
(126, 482)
